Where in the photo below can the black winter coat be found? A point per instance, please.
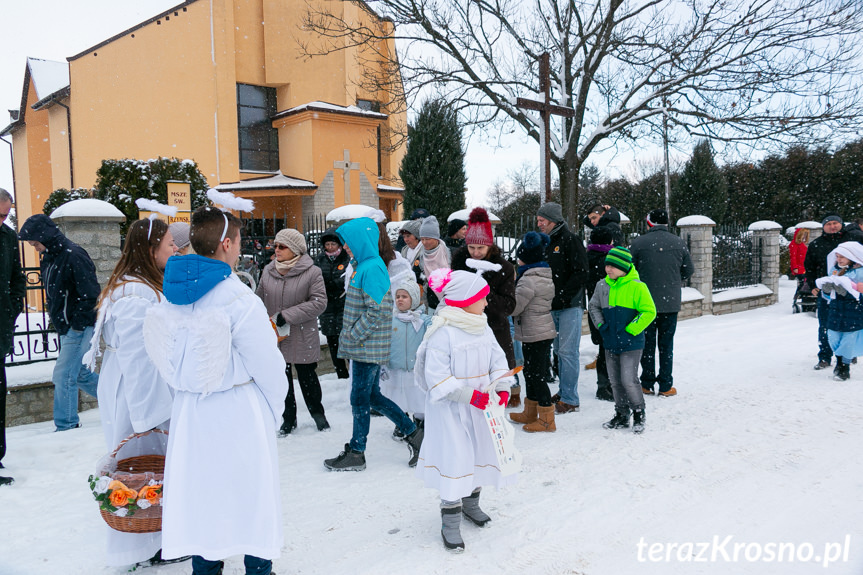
(68, 275)
(501, 297)
(816, 256)
(333, 272)
(568, 260)
(663, 263)
(13, 287)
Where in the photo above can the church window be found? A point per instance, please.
(259, 140)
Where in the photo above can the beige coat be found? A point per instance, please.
(300, 296)
(532, 313)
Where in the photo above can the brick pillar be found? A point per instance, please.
(95, 226)
(697, 232)
(766, 233)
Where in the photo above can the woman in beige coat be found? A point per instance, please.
(534, 327)
(292, 289)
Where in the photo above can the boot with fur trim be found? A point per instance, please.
(544, 422)
(526, 416)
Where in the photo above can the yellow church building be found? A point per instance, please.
(221, 82)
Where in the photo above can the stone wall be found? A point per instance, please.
(743, 304)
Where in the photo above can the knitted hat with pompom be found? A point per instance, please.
(479, 229)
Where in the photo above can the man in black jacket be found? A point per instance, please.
(663, 263)
(605, 216)
(568, 261)
(816, 267)
(72, 291)
(12, 292)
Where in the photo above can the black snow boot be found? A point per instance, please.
(604, 394)
(470, 509)
(638, 421)
(415, 441)
(619, 421)
(321, 421)
(451, 528)
(348, 460)
(842, 371)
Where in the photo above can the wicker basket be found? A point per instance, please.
(135, 473)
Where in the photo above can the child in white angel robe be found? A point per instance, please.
(462, 368)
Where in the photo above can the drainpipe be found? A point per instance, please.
(69, 136)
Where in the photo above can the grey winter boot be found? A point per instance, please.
(451, 528)
(470, 509)
(638, 421)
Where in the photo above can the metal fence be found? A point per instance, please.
(258, 235)
(35, 337)
(736, 257)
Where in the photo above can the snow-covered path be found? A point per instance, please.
(757, 447)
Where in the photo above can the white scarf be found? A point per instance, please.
(457, 317)
(413, 317)
(435, 259)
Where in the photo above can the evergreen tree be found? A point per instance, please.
(432, 170)
(701, 189)
(60, 196)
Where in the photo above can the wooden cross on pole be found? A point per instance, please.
(545, 109)
(347, 166)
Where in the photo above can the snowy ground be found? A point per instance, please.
(757, 447)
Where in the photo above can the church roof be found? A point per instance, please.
(332, 108)
(279, 181)
(49, 77)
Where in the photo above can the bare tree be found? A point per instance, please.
(753, 71)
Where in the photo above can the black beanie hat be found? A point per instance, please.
(532, 248)
(454, 226)
(601, 235)
(658, 217)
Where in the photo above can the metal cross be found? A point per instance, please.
(545, 109)
(347, 165)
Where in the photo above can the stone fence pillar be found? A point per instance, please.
(697, 232)
(95, 226)
(766, 233)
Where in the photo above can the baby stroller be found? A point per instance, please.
(803, 298)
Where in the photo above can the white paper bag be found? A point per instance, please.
(503, 437)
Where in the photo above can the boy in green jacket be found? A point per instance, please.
(621, 308)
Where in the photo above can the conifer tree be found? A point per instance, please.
(432, 170)
(701, 189)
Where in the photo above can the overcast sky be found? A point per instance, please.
(57, 29)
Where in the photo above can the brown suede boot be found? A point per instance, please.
(545, 422)
(529, 413)
(514, 397)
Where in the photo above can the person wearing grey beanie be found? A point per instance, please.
(180, 231)
(433, 256)
(552, 211)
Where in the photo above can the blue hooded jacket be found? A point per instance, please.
(68, 275)
(189, 278)
(370, 274)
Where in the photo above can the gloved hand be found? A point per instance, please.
(280, 320)
(504, 398)
(479, 399)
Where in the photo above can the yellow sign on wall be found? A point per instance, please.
(180, 195)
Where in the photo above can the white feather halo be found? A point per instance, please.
(156, 208)
(483, 266)
(229, 201)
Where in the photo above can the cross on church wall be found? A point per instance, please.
(347, 166)
(546, 109)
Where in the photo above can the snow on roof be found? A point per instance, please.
(87, 207)
(742, 293)
(465, 214)
(761, 225)
(386, 188)
(348, 212)
(272, 182)
(695, 221)
(327, 107)
(48, 76)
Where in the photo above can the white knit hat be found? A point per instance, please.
(460, 288)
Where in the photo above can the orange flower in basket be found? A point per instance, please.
(151, 493)
(114, 485)
(119, 497)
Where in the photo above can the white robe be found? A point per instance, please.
(133, 397)
(457, 454)
(222, 495)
